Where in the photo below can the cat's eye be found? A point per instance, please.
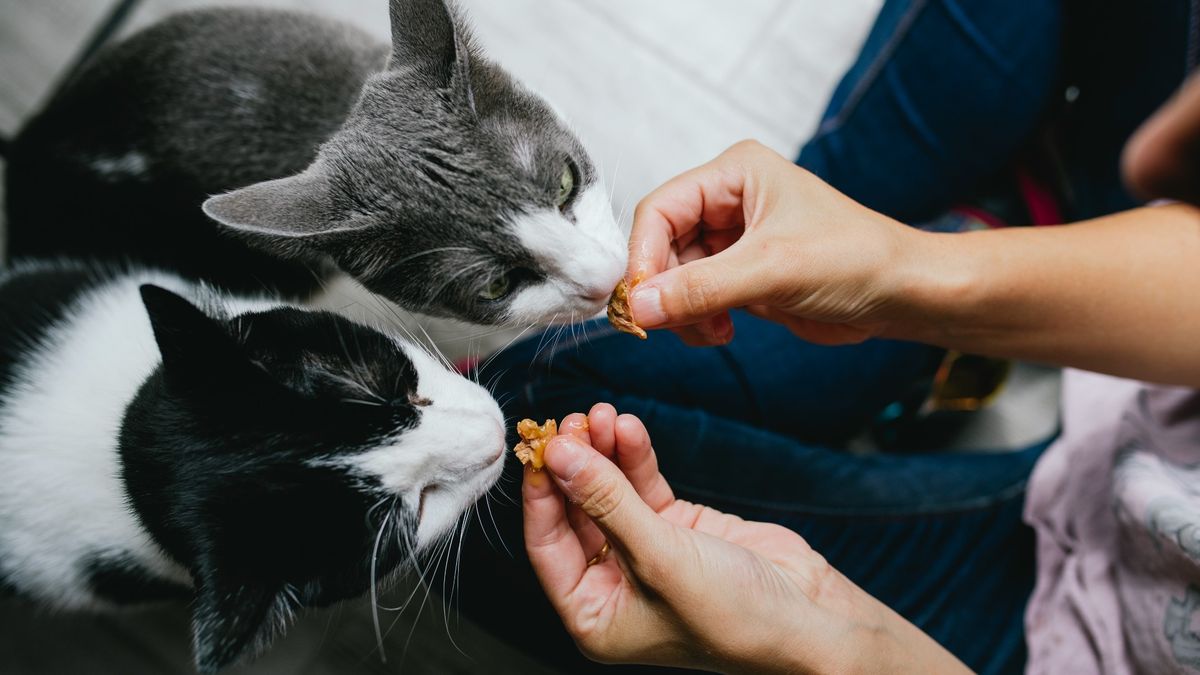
(499, 287)
(566, 185)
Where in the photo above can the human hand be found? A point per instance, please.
(1162, 160)
(751, 229)
(688, 586)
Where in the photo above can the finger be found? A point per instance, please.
(637, 460)
(554, 549)
(703, 288)
(575, 424)
(816, 332)
(711, 193)
(1161, 160)
(711, 332)
(602, 419)
(604, 493)
(591, 539)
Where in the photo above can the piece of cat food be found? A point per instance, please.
(619, 314)
(534, 439)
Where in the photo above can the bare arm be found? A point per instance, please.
(1118, 295)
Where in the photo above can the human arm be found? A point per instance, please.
(750, 229)
(686, 585)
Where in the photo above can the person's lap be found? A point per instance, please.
(937, 537)
(943, 95)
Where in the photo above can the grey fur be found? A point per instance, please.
(417, 174)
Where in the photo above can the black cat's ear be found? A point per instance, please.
(194, 346)
(233, 622)
(279, 214)
(428, 37)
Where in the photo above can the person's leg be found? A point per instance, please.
(767, 378)
(943, 95)
(939, 538)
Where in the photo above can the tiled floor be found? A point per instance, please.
(653, 86)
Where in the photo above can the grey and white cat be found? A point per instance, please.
(162, 442)
(421, 169)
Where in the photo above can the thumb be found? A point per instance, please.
(697, 290)
(603, 492)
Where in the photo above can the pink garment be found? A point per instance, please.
(1116, 506)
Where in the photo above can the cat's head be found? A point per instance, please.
(450, 189)
(288, 458)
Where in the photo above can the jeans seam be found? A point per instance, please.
(871, 76)
(961, 507)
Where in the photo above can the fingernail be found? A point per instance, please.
(566, 456)
(646, 304)
(723, 328)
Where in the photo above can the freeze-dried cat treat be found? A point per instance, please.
(534, 438)
(619, 314)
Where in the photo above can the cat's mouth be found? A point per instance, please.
(439, 505)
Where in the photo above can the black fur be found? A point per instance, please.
(406, 177)
(150, 95)
(233, 453)
(221, 453)
(49, 292)
(120, 580)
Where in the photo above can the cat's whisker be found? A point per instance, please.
(375, 588)
(487, 500)
(510, 343)
(444, 249)
(542, 342)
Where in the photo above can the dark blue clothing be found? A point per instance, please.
(945, 94)
(937, 537)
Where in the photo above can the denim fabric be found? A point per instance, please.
(947, 93)
(944, 94)
(937, 537)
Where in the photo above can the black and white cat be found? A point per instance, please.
(422, 170)
(249, 457)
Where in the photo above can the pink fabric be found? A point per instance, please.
(1116, 506)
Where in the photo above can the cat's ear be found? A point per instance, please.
(232, 622)
(280, 211)
(428, 38)
(194, 346)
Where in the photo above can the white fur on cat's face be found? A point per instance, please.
(585, 261)
(450, 459)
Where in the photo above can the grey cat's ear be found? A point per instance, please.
(428, 38)
(289, 208)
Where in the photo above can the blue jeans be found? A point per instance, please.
(945, 94)
(939, 538)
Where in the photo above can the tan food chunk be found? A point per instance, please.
(619, 314)
(534, 438)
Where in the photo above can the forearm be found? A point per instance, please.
(1119, 295)
(855, 633)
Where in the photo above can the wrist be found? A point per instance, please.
(935, 288)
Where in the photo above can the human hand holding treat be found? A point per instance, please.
(688, 586)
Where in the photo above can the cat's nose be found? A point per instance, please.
(595, 295)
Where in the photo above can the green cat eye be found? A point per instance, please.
(566, 186)
(497, 288)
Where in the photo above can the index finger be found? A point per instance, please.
(709, 197)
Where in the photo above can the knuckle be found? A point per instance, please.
(698, 293)
(747, 146)
(604, 500)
